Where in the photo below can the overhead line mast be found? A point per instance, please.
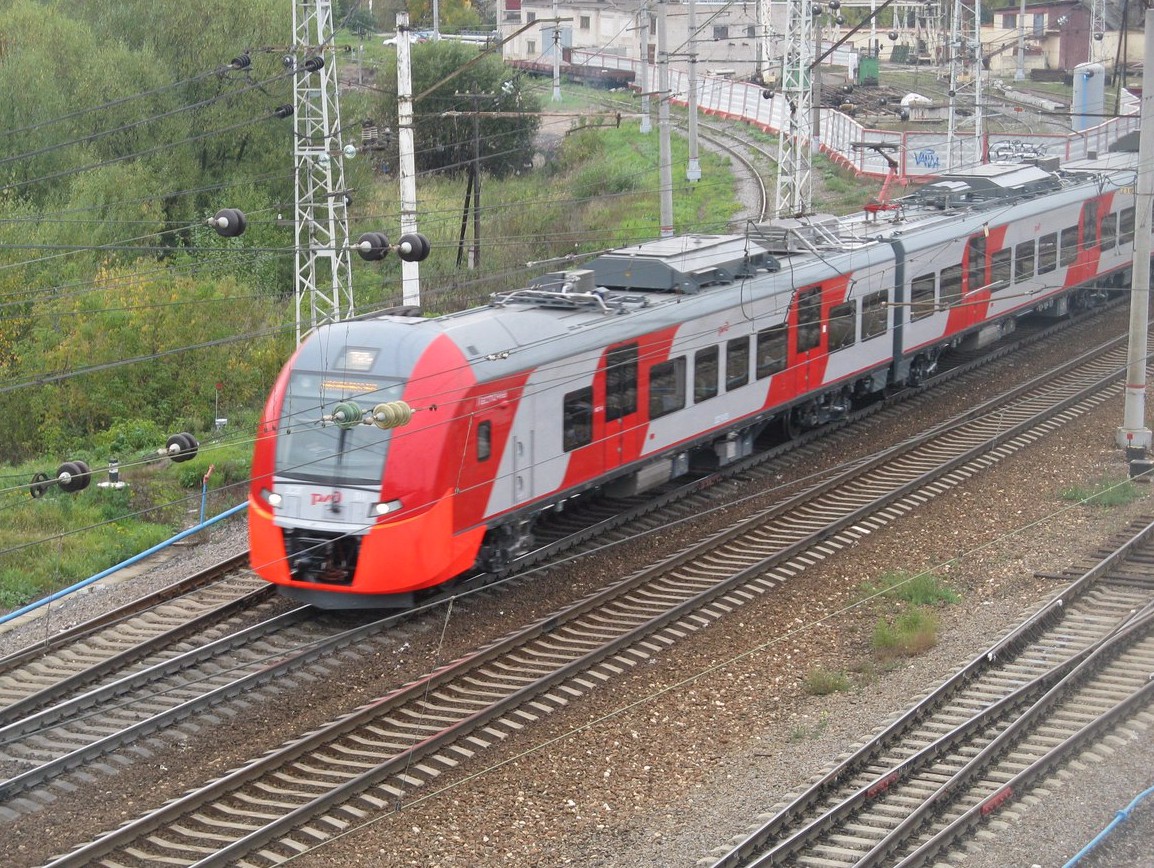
(323, 255)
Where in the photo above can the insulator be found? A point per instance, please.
(241, 61)
(73, 476)
(413, 247)
(229, 222)
(312, 64)
(181, 447)
(392, 414)
(347, 415)
(283, 111)
(373, 246)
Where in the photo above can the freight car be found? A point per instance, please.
(398, 452)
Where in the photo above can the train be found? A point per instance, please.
(397, 453)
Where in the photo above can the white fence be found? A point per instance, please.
(919, 155)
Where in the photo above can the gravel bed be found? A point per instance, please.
(667, 764)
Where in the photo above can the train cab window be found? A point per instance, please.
(1047, 253)
(975, 263)
(577, 418)
(1000, 268)
(808, 320)
(484, 441)
(706, 368)
(873, 315)
(1110, 231)
(842, 326)
(621, 382)
(951, 285)
(1090, 225)
(667, 387)
(1024, 261)
(771, 351)
(1126, 226)
(736, 363)
(923, 296)
(1068, 251)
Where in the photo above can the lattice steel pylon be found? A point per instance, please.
(323, 253)
(1097, 31)
(794, 161)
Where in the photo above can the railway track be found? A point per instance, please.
(984, 737)
(370, 760)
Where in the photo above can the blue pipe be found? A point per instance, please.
(1119, 818)
(228, 513)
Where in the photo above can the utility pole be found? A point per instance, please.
(407, 168)
(663, 131)
(1134, 434)
(646, 124)
(693, 170)
(1020, 74)
(322, 254)
(556, 53)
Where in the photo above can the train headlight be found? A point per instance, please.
(384, 508)
(271, 498)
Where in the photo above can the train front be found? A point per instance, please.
(351, 504)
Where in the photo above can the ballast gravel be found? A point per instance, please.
(667, 765)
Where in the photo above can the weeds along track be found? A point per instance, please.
(369, 761)
(1052, 688)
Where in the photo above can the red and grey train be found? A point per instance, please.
(398, 452)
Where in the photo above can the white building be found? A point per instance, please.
(732, 41)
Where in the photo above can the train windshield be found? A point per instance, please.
(315, 449)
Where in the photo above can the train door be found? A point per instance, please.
(622, 424)
(808, 355)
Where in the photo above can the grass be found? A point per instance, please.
(910, 633)
(822, 682)
(1104, 493)
(917, 589)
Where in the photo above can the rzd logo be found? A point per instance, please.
(333, 498)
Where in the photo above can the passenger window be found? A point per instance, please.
(1126, 226)
(1000, 268)
(923, 296)
(484, 441)
(736, 363)
(577, 415)
(621, 382)
(1047, 253)
(1089, 225)
(1110, 231)
(842, 326)
(1069, 251)
(873, 315)
(808, 320)
(975, 264)
(1024, 261)
(951, 285)
(666, 387)
(706, 369)
(771, 351)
